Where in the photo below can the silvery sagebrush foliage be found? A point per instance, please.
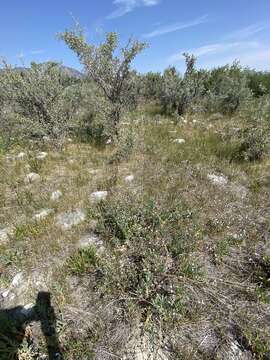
(151, 84)
(227, 89)
(255, 136)
(179, 93)
(40, 100)
(108, 66)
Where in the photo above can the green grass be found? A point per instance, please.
(83, 261)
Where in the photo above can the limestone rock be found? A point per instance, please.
(41, 155)
(4, 234)
(21, 156)
(17, 280)
(219, 180)
(91, 240)
(56, 195)
(129, 178)
(31, 178)
(98, 196)
(42, 214)
(179, 141)
(69, 219)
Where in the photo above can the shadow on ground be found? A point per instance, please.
(13, 328)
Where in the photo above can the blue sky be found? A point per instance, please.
(217, 31)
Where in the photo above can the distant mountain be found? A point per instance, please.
(69, 71)
(72, 72)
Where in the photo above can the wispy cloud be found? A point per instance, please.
(213, 49)
(248, 31)
(20, 55)
(126, 6)
(249, 53)
(176, 26)
(37, 52)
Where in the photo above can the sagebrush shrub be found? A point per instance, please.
(38, 100)
(227, 89)
(178, 93)
(110, 72)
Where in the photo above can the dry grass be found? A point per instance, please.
(186, 261)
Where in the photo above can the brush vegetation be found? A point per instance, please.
(177, 265)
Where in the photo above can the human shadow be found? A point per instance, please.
(13, 328)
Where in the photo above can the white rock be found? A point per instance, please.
(56, 195)
(21, 156)
(240, 191)
(27, 309)
(172, 131)
(5, 294)
(42, 214)
(41, 155)
(67, 220)
(32, 177)
(98, 196)
(109, 141)
(129, 178)
(194, 121)
(179, 141)
(91, 240)
(218, 179)
(17, 280)
(94, 171)
(69, 140)
(4, 234)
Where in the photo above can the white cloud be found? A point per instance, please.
(20, 55)
(248, 31)
(177, 26)
(213, 49)
(250, 53)
(126, 6)
(37, 52)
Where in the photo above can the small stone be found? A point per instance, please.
(27, 310)
(91, 240)
(109, 141)
(17, 280)
(240, 191)
(5, 294)
(98, 196)
(69, 140)
(42, 214)
(218, 179)
(67, 220)
(31, 178)
(129, 178)
(41, 155)
(9, 157)
(179, 141)
(4, 234)
(56, 195)
(94, 171)
(21, 156)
